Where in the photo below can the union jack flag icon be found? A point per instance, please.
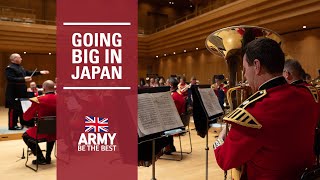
(96, 124)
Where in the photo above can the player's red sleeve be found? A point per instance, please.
(240, 145)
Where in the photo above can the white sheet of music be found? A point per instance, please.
(25, 105)
(210, 101)
(156, 113)
(148, 118)
(169, 115)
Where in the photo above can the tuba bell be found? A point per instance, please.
(229, 43)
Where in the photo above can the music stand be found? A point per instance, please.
(200, 114)
(155, 136)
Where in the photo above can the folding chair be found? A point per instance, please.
(46, 125)
(185, 120)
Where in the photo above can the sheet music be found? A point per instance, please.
(148, 118)
(210, 101)
(26, 104)
(168, 112)
(156, 113)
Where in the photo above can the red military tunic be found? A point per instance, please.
(179, 101)
(300, 82)
(41, 106)
(272, 133)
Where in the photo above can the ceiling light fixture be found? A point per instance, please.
(174, 52)
(49, 53)
(157, 56)
(184, 50)
(304, 27)
(197, 48)
(165, 54)
(24, 52)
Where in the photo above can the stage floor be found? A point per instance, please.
(191, 167)
(6, 134)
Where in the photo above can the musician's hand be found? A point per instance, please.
(223, 133)
(27, 79)
(44, 72)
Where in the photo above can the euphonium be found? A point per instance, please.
(229, 43)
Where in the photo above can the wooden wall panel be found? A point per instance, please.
(200, 63)
(3, 65)
(29, 62)
(146, 65)
(304, 46)
(151, 16)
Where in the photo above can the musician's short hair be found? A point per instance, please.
(294, 68)
(268, 52)
(173, 82)
(48, 85)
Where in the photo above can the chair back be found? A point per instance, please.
(47, 125)
(185, 119)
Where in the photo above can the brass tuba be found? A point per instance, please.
(229, 43)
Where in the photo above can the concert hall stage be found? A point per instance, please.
(6, 134)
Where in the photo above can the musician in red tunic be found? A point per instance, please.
(293, 72)
(180, 103)
(272, 132)
(41, 106)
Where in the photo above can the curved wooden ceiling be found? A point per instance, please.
(281, 16)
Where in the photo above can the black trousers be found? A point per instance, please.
(35, 147)
(14, 113)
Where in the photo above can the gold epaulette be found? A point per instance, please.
(314, 92)
(35, 99)
(243, 117)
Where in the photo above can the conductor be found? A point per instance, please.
(17, 76)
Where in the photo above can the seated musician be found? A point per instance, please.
(293, 72)
(183, 86)
(180, 103)
(272, 132)
(33, 91)
(41, 106)
(219, 88)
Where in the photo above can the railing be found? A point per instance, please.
(21, 15)
(188, 17)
